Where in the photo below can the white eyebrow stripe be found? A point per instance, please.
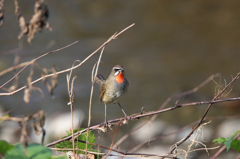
(116, 73)
(116, 68)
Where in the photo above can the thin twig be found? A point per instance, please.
(179, 130)
(115, 134)
(31, 62)
(7, 112)
(208, 108)
(16, 67)
(71, 98)
(122, 154)
(163, 105)
(119, 153)
(91, 94)
(66, 70)
(10, 118)
(77, 149)
(113, 122)
(212, 148)
(223, 148)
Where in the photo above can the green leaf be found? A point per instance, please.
(33, 151)
(228, 143)
(236, 145)
(83, 137)
(220, 140)
(4, 147)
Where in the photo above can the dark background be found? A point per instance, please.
(173, 47)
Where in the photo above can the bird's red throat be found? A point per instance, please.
(119, 78)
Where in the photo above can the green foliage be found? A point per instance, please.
(33, 151)
(37, 151)
(4, 147)
(230, 142)
(83, 137)
(220, 140)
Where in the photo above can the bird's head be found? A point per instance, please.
(118, 73)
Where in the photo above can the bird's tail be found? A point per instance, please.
(100, 80)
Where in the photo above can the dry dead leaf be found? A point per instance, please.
(24, 137)
(14, 86)
(37, 22)
(1, 12)
(38, 123)
(21, 20)
(27, 91)
(53, 80)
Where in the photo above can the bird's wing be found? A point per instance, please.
(100, 80)
(102, 92)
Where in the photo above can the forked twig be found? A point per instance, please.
(91, 94)
(179, 130)
(163, 105)
(71, 98)
(208, 108)
(66, 70)
(223, 148)
(31, 62)
(114, 121)
(115, 134)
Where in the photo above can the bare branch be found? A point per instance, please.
(63, 71)
(223, 148)
(114, 121)
(179, 130)
(208, 108)
(163, 105)
(31, 62)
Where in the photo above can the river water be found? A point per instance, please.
(173, 47)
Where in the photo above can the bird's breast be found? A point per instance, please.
(119, 78)
(114, 94)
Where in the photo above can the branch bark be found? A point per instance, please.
(132, 117)
(207, 110)
(63, 71)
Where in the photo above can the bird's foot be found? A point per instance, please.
(106, 124)
(127, 117)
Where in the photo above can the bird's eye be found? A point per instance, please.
(116, 69)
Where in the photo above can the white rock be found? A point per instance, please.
(57, 124)
(148, 131)
(228, 127)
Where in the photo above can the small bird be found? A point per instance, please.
(113, 89)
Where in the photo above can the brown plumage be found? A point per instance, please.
(114, 88)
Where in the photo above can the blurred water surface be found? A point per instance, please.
(174, 46)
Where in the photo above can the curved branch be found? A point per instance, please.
(208, 108)
(132, 117)
(31, 62)
(210, 78)
(63, 71)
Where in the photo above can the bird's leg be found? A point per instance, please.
(106, 124)
(127, 117)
